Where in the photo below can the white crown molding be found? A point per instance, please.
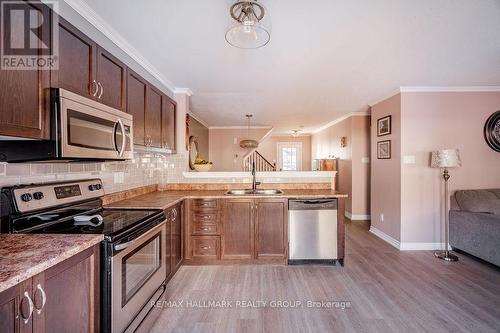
(338, 120)
(451, 89)
(239, 127)
(185, 91)
(97, 21)
(394, 93)
(197, 118)
(288, 135)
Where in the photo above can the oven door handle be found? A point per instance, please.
(123, 246)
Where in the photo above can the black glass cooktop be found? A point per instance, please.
(108, 222)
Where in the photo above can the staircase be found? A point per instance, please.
(261, 164)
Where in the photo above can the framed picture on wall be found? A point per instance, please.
(384, 126)
(384, 150)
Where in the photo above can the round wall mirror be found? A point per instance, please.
(492, 131)
(193, 151)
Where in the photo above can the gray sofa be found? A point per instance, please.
(475, 223)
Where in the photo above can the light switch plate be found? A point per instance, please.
(409, 159)
(365, 160)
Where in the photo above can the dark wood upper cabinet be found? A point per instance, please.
(111, 80)
(136, 104)
(153, 117)
(270, 228)
(237, 229)
(77, 61)
(169, 116)
(24, 101)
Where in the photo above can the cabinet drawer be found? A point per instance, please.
(201, 204)
(206, 246)
(204, 229)
(205, 217)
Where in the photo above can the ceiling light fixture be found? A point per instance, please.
(247, 30)
(249, 143)
(295, 133)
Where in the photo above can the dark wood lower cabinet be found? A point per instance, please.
(237, 229)
(175, 238)
(64, 298)
(271, 228)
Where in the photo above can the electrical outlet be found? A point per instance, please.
(118, 177)
(381, 217)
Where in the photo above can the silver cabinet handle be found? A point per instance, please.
(44, 298)
(174, 212)
(30, 302)
(102, 90)
(205, 247)
(94, 84)
(206, 229)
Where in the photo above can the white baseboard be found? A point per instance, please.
(385, 237)
(357, 217)
(417, 246)
(407, 246)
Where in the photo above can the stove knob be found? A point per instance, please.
(98, 186)
(92, 188)
(26, 197)
(38, 195)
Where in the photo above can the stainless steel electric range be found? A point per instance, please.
(133, 264)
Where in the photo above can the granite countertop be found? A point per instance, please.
(23, 256)
(166, 199)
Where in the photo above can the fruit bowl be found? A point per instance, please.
(203, 167)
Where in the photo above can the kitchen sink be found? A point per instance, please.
(254, 192)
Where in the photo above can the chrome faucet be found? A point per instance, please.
(254, 182)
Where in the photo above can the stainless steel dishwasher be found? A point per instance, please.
(312, 231)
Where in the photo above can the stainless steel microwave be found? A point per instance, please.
(81, 129)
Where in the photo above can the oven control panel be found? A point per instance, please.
(29, 198)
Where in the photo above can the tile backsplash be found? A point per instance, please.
(144, 169)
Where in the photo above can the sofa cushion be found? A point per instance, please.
(478, 201)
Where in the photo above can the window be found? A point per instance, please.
(290, 156)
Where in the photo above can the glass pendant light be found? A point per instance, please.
(247, 30)
(249, 143)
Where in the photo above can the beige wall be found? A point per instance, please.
(411, 194)
(200, 131)
(432, 121)
(269, 148)
(386, 174)
(224, 147)
(360, 157)
(354, 176)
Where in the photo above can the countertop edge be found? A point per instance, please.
(46, 264)
(116, 205)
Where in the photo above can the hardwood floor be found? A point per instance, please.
(387, 290)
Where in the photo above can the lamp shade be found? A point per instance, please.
(445, 158)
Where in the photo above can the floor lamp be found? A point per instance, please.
(445, 159)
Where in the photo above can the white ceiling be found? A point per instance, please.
(326, 58)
